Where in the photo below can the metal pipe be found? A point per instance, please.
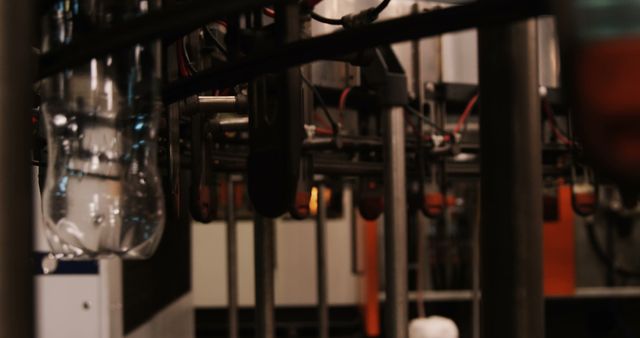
(475, 270)
(511, 179)
(421, 224)
(228, 123)
(321, 256)
(232, 259)
(395, 225)
(263, 233)
(216, 104)
(16, 279)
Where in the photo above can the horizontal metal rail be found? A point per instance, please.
(346, 41)
(176, 21)
(167, 24)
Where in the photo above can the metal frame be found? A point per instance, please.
(395, 226)
(169, 24)
(346, 41)
(232, 260)
(511, 182)
(16, 273)
(511, 163)
(321, 263)
(264, 261)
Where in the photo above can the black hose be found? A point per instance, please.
(380, 8)
(371, 15)
(325, 20)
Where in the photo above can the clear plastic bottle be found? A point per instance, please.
(103, 195)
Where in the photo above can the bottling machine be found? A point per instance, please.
(299, 168)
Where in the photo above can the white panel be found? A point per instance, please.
(175, 321)
(295, 275)
(67, 306)
(343, 286)
(548, 52)
(210, 264)
(295, 271)
(460, 57)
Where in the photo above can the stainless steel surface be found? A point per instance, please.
(264, 283)
(548, 52)
(581, 293)
(232, 259)
(229, 123)
(475, 271)
(395, 224)
(16, 279)
(217, 104)
(511, 178)
(421, 234)
(321, 262)
(437, 296)
(607, 292)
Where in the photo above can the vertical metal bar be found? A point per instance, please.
(16, 280)
(475, 268)
(263, 256)
(395, 225)
(321, 256)
(511, 178)
(232, 260)
(416, 60)
(353, 222)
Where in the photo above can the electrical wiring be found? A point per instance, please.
(426, 120)
(465, 114)
(216, 42)
(187, 59)
(371, 15)
(334, 126)
(325, 20)
(411, 124)
(324, 131)
(342, 103)
(268, 11)
(182, 67)
(551, 120)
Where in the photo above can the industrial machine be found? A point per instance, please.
(318, 168)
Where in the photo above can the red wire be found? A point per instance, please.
(343, 98)
(269, 12)
(552, 124)
(324, 131)
(411, 124)
(322, 121)
(342, 104)
(466, 113)
(182, 67)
